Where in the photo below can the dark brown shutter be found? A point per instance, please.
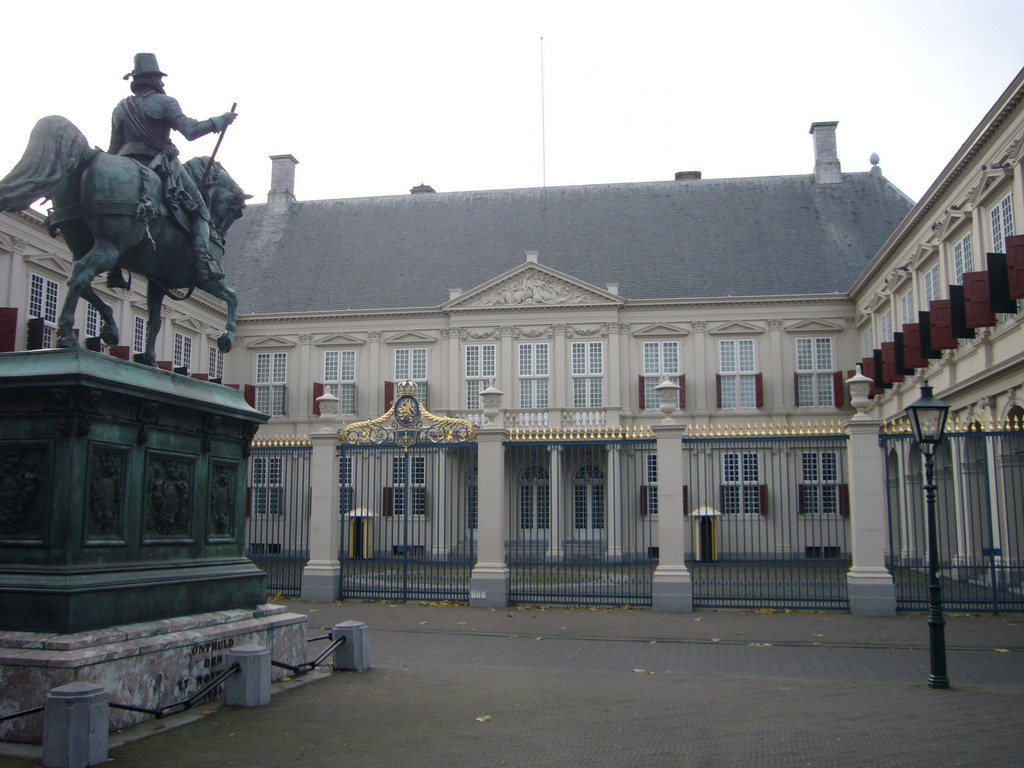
(249, 390)
(686, 500)
(121, 352)
(201, 376)
(796, 390)
(718, 389)
(800, 498)
(318, 391)
(389, 395)
(978, 303)
(889, 372)
(759, 389)
(844, 499)
(643, 500)
(682, 392)
(721, 499)
(34, 338)
(999, 284)
(762, 498)
(1015, 266)
(958, 312)
(387, 501)
(878, 373)
(165, 365)
(8, 329)
(94, 344)
(940, 313)
(643, 400)
(912, 356)
(901, 364)
(838, 384)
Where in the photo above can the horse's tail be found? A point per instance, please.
(55, 149)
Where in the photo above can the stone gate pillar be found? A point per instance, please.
(673, 587)
(869, 583)
(489, 581)
(321, 578)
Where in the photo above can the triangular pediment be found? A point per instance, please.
(953, 220)
(532, 285)
(660, 329)
(49, 261)
(410, 337)
(735, 327)
(337, 340)
(191, 324)
(814, 326)
(270, 342)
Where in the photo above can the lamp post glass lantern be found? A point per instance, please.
(928, 423)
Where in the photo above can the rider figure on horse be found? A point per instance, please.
(141, 129)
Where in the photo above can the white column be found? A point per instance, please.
(869, 584)
(556, 535)
(321, 578)
(489, 581)
(613, 502)
(673, 587)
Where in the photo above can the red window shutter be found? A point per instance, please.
(978, 303)
(838, 384)
(718, 389)
(1015, 266)
(762, 498)
(682, 392)
(924, 319)
(686, 500)
(318, 390)
(889, 372)
(759, 389)
(912, 355)
(165, 365)
(877, 372)
(34, 338)
(844, 499)
(800, 498)
(8, 329)
(233, 386)
(201, 376)
(958, 307)
(999, 284)
(389, 395)
(641, 381)
(387, 501)
(643, 501)
(121, 353)
(901, 366)
(249, 390)
(940, 312)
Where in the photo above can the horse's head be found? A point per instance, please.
(223, 196)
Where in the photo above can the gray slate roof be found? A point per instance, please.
(706, 238)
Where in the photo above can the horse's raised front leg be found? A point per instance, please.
(221, 290)
(109, 332)
(155, 293)
(100, 258)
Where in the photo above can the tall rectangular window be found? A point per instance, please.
(417, 503)
(587, 374)
(814, 368)
(867, 341)
(661, 362)
(216, 362)
(340, 378)
(182, 351)
(271, 382)
(534, 375)
(885, 326)
(346, 491)
(737, 373)
(906, 305)
(43, 300)
(480, 372)
(1001, 217)
(92, 321)
(139, 335)
(411, 365)
(819, 483)
(267, 485)
(932, 284)
(741, 492)
(963, 258)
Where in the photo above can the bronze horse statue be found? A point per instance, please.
(110, 210)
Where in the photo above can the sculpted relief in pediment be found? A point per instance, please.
(529, 289)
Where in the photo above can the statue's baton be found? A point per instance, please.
(209, 165)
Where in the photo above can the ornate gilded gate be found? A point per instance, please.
(407, 499)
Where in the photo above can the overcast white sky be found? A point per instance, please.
(374, 98)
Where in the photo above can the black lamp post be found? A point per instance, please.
(928, 422)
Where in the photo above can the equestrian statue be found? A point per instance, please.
(135, 206)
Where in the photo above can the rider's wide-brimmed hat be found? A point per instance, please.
(145, 64)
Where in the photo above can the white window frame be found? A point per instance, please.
(1001, 221)
(932, 284)
(963, 257)
(815, 366)
(417, 485)
(44, 303)
(884, 326)
(660, 363)
(267, 485)
(737, 369)
(346, 490)
(819, 482)
(92, 321)
(534, 375)
(182, 350)
(216, 363)
(587, 368)
(139, 329)
(741, 481)
(651, 482)
(867, 340)
(271, 383)
(481, 364)
(340, 378)
(411, 364)
(905, 301)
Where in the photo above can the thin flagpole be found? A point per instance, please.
(543, 125)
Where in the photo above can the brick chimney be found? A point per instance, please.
(282, 183)
(826, 160)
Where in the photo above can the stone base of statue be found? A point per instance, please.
(149, 664)
(122, 499)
